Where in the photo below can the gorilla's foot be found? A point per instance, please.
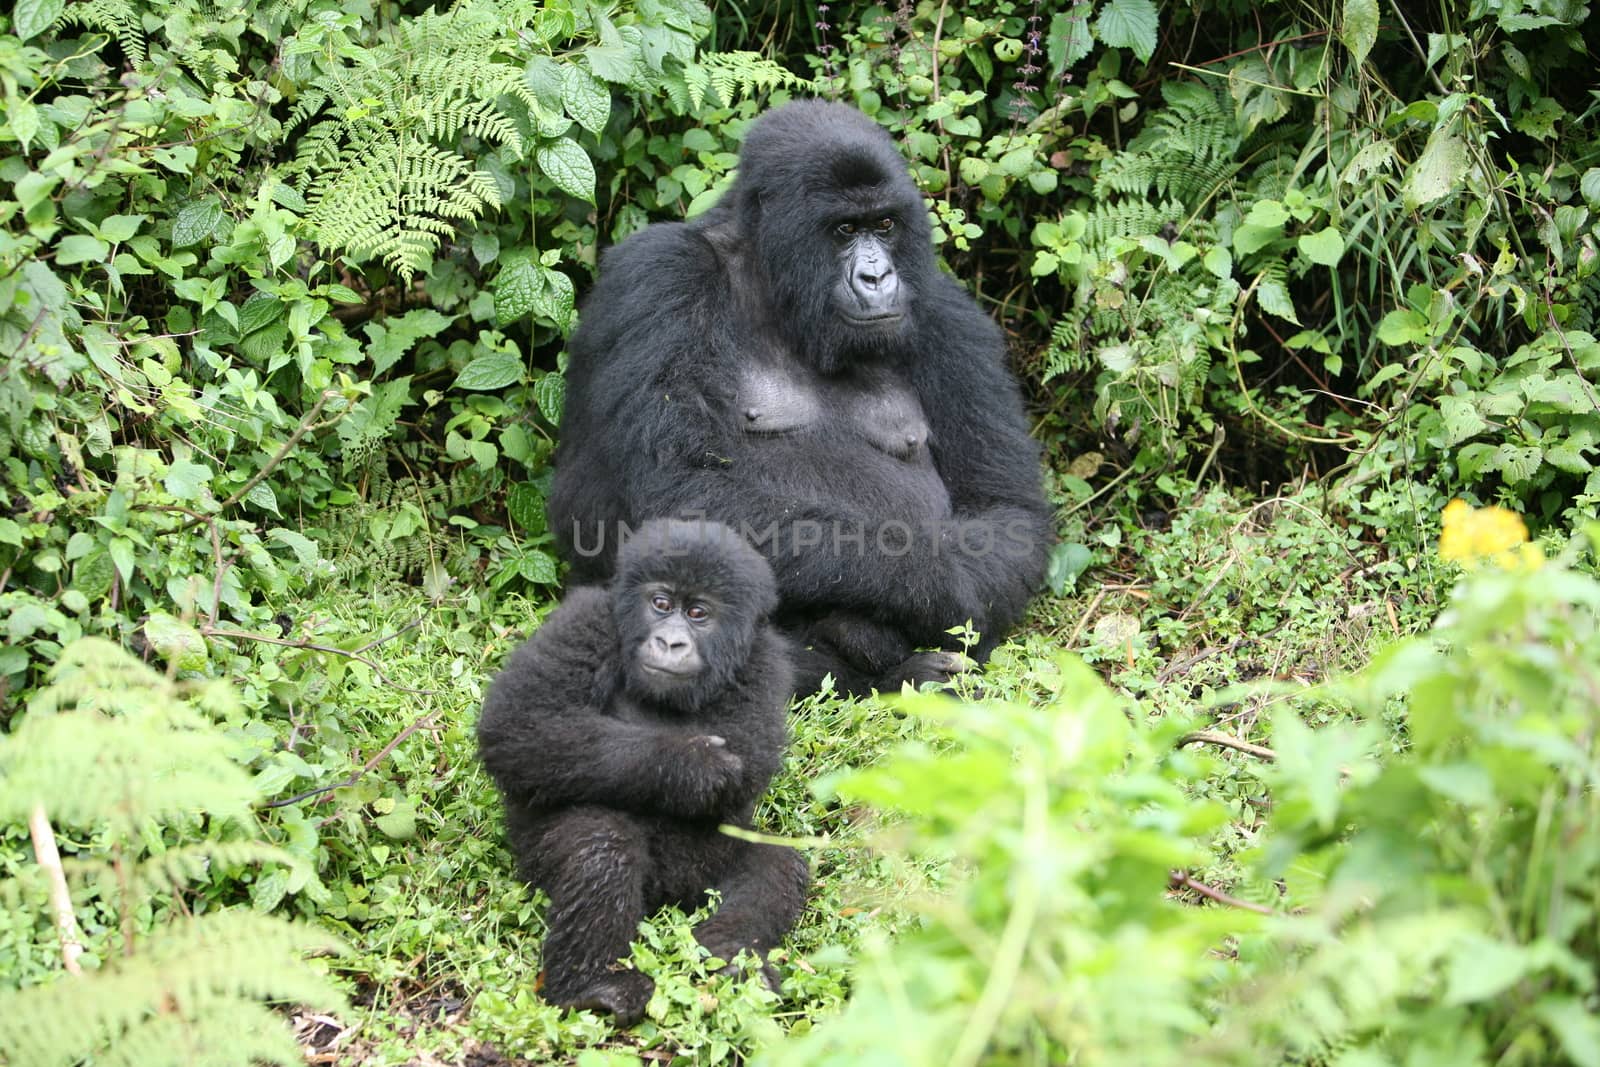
(623, 994)
(768, 973)
(940, 668)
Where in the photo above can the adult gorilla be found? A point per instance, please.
(794, 364)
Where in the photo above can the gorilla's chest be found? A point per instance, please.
(859, 440)
(873, 408)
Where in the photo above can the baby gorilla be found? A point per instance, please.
(633, 722)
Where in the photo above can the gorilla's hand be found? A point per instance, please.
(941, 668)
(716, 769)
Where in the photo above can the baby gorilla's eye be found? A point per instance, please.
(846, 229)
(883, 225)
(697, 612)
(661, 603)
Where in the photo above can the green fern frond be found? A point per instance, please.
(117, 17)
(204, 975)
(726, 77)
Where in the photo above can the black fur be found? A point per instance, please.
(615, 784)
(722, 369)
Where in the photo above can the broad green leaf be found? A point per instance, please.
(1358, 27)
(1070, 37)
(392, 339)
(537, 567)
(516, 290)
(556, 298)
(185, 480)
(1219, 261)
(1437, 172)
(1068, 560)
(196, 221)
(1129, 24)
(492, 370)
(32, 17)
(550, 392)
(1591, 186)
(119, 228)
(1403, 326)
(585, 98)
(401, 823)
(567, 164)
(81, 248)
(1273, 296)
(177, 642)
(525, 505)
(1575, 1026)
(1325, 247)
(259, 312)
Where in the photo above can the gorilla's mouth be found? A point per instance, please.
(665, 672)
(874, 318)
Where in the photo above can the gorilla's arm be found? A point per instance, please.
(986, 457)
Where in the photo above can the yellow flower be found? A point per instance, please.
(1473, 535)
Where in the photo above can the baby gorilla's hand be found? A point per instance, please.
(715, 767)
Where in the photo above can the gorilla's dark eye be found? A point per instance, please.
(884, 225)
(661, 603)
(846, 229)
(697, 612)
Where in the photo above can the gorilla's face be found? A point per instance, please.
(868, 293)
(840, 231)
(689, 598)
(670, 649)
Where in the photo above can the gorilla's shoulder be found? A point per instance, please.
(581, 630)
(655, 259)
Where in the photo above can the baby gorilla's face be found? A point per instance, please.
(667, 651)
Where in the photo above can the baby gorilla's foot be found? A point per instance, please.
(623, 994)
(741, 967)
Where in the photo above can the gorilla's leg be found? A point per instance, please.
(595, 863)
(763, 891)
(863, 654)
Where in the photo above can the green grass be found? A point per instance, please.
(1232, 606)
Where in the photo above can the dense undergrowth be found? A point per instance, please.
(1265, 779)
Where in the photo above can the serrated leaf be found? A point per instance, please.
(32, 17)
(185, 480)
(175, 641)
(393, 339)
(566, 163)
(1402, 326)
(585, 98)
(1358, 27)
(537, 567)
(1273, 296)
(259, 312)
(1219, 261)
(556, 298)
(492, 370)
(1437, 172)
(1325, 247)
(550, 392)
(264, 498)
(1070, 38)
(516, 290)
(525, 505)
(196, 221)
(81, 248)
(1129, 24)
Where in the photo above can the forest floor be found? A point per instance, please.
(1217, 611)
